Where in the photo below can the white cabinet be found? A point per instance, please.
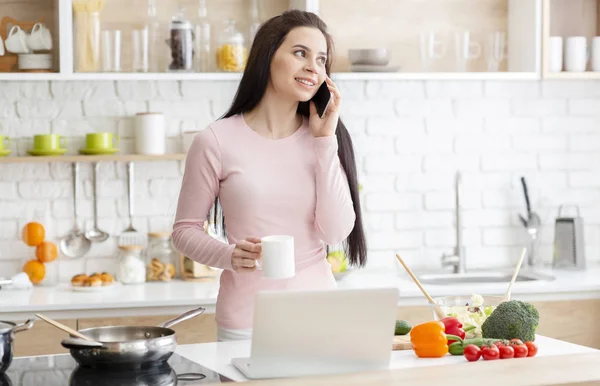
(403, 26)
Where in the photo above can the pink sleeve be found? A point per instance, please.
(199, 187)
(334, 210)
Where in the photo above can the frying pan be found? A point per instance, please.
(127, 347)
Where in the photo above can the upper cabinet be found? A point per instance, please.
(463, 38)
(210, 39)
(571, 39)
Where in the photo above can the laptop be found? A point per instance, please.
(303, 333)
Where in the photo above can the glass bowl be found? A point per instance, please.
(468, 310)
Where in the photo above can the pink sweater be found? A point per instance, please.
(294, 186)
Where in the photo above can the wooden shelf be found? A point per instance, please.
(93, 158)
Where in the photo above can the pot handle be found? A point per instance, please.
(183, 317)
(77, 343)
(25, 326)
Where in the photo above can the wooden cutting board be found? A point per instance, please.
(401, 342)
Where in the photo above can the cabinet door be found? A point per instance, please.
(42, 339)
(571, 321)
(201, 329)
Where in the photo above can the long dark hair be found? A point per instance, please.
(254, 83)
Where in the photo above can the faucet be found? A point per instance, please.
(456, 260)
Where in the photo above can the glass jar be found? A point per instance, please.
(231, 52)
(86, 39)
(132, 268)
(181, 44)
(41, 263)
(160, 257)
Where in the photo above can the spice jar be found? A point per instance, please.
(231, 52)
(132, 269)
(181, 44)
(160, 257)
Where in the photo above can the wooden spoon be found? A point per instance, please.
(64, 328)
(514, 276)
(436, 307)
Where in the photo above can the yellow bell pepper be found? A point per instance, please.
(429, 339)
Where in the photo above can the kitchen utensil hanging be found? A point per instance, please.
(74, 244)
(95, 235)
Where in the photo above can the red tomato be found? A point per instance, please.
(490, 352)
(499, 343)
(506, 352)
(472, 353)
(516, 341)
(532, 349)
(521, 350)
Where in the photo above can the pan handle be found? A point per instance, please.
(25, 326)
(183, 317)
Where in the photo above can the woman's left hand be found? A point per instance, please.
(323, 127)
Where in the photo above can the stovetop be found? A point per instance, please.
(62, 370)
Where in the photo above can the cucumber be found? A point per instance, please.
(458, 348)
(402, 327)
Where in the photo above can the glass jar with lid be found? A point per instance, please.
(132, 268)
(160, 257)
(231, 51)
(181, 44)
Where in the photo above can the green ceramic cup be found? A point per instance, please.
(4, 142)
(49, 142)
(99, 141)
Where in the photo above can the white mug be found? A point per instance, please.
(278, 261)
(39, 38)
(16, 41)
(596, 53)
(576, 54)
(555, 54)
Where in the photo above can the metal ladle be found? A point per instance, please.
(74, 244)
(95, 235)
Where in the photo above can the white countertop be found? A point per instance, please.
(158, 298)
(217, 356)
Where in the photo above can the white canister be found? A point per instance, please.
(555, 54)
(576, 54)
(596, 53)
(150, 133)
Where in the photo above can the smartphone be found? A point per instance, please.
(322, 99)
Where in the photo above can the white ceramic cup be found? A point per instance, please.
(555, 54)
(277, 260)
(576, 54)
(16, 41)
(39, 38)
(596, 53)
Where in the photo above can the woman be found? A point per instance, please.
(276, 168)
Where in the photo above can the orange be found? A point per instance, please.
(46, 252)
(33, 234)
(35, 270)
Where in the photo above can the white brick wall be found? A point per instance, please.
(409, 136)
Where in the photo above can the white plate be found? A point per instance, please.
(94, 289)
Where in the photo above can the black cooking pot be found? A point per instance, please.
(7, 335)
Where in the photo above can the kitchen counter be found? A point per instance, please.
(158, 298)
(217, 357)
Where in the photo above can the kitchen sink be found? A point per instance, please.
(482, 277)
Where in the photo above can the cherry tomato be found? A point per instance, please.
(499, 343)
(490, 352)
(515, 341)
(472, 353)
(532, 349)
(521, 350)
(506, 352)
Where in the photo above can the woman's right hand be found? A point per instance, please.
(245, 254)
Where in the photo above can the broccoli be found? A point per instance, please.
(512, 319)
